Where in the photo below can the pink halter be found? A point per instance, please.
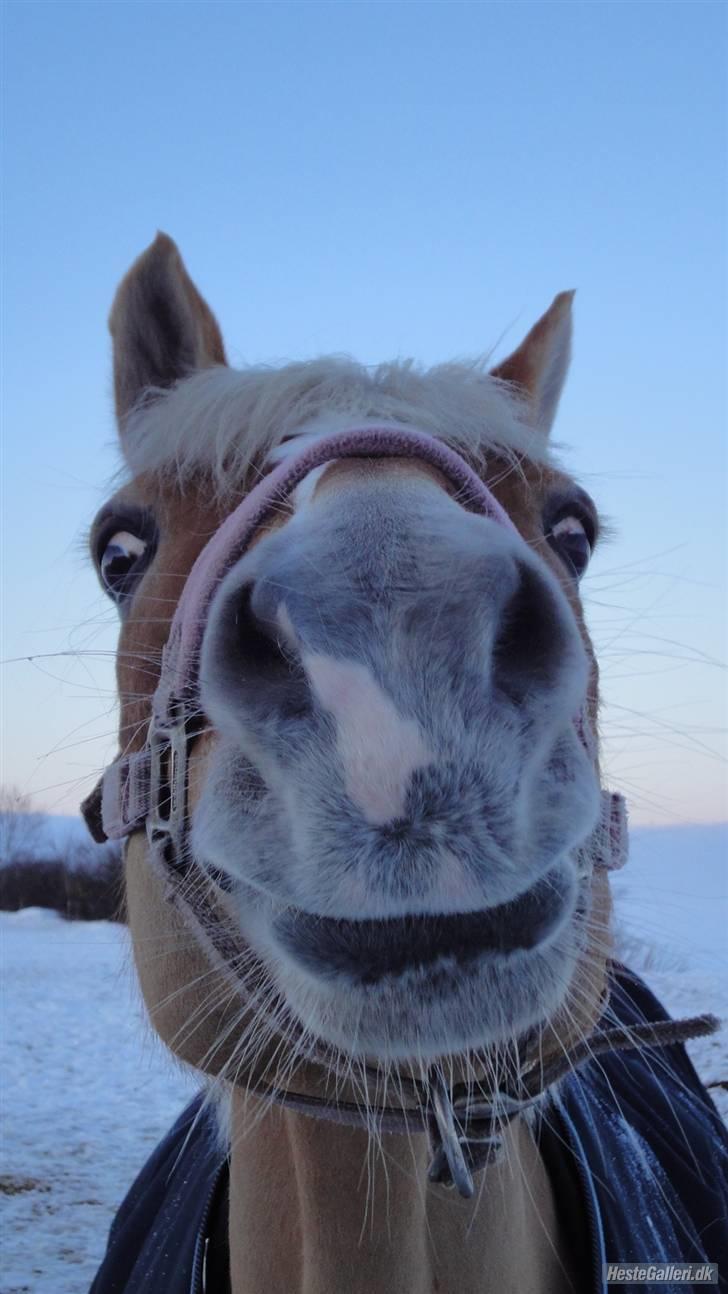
(149, 786)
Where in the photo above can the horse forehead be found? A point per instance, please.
(519, 489)
(334, 476)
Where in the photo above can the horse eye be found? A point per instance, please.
(122, 560)
(568, 537)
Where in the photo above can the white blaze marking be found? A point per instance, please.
(305, 488)
(285, 626)
(379, 748)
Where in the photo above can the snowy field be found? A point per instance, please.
(87, 1091)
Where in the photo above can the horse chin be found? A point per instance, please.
(459, 1001)
(425, 1015)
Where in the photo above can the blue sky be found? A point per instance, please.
(381, 179)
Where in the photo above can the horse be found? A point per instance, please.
(368, 847)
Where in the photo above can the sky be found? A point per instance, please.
(381, 179)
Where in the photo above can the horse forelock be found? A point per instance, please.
(224, 423)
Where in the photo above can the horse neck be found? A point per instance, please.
(314, 1209)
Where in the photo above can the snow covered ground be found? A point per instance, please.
(87, 1090)
(86, 1093)
(671, 904)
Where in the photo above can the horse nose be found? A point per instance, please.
(449, 613)
(495, 626)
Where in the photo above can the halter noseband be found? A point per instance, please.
(148, 787)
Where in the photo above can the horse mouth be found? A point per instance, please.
(367, 951)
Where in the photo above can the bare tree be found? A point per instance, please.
(21, 827)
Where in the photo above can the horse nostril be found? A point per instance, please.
(262, 659)
(532, 640)
(258, 640)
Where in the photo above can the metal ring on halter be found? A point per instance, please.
(450, 1143)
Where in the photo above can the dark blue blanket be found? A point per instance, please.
(633, 1145)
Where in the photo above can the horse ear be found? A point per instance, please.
(162, 329)
(540, 364)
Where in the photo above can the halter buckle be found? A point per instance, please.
(168, 782)
(449, 1157)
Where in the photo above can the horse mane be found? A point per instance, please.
(222, 423)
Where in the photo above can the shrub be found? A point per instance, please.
(89, 890)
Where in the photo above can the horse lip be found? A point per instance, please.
(369, 950)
